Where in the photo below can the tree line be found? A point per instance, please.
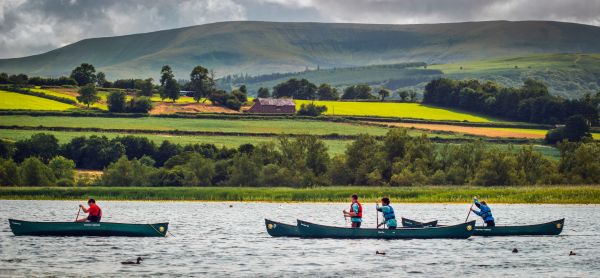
(397, 160)
(530, 103)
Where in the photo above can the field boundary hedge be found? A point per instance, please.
(331, 136)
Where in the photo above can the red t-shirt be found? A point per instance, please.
(94, 210)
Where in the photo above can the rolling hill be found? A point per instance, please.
(568, 75)
(268, 47)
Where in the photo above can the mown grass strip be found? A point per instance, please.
(568, 194)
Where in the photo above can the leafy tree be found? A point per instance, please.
(116, 101)
(139, 105)
(95, 152)
(263, 93)
(413, 96)
(383, 93)
(361, 91)
(311, 109)
(4, 78)
(403, 95)
(135, 146)
(165, 151)
(101, 79)
(88, 95)
(199, 82)
(243, 171)
(294, 88)
(146, 88)
(9, 173)
(7, 149)
(126, 172)
(327, 92)
(240, 95)
(166, 74)
(84, 74)
(170, 90)
(33, 172)
(200, 171)
(19, 80)
(62, 168)
(576, 128)
(41, 145)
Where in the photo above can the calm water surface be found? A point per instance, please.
(212, 239)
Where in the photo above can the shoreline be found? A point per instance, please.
(566, 194)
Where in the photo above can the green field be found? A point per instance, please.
(10, 101)
(391, 109)
(425, 194)
(277, 126)
(334, 146)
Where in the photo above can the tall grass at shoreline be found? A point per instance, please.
(425, 194)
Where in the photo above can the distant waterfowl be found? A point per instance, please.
(379, 253)
(515, 250)
(572, 253)
(130, 262)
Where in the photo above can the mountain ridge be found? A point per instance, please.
(260, 47)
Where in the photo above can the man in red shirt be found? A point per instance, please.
(94, 212)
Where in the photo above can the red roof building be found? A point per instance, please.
(273, 105)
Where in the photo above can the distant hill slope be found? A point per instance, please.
(569, 75)
(268, 47)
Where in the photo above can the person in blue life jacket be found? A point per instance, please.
(389, 217)
(484, 212)
(355, 212)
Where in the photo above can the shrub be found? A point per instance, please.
(139, 105)
(116, 101)
(311, 110)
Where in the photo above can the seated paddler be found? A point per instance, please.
(355, 212)
(389, 217)
(94, 212)
(484, 212)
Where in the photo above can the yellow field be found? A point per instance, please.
(9, 100)
(390, 109)
(99, 105)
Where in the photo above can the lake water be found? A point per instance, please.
(214, 239)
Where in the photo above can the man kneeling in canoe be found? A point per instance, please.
(485, 212)
(94, 212)
(355, 212)
(389, 217)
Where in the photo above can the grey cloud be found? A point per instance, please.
(33, 26)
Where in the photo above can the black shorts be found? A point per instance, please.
(356, 224)
(392, 227)
(490, 223)
(94, 218)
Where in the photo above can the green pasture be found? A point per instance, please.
(565, 194)
(10, 100)
(393, 109)
(277, 126)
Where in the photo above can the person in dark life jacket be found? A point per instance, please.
(484, 211)
(389, 217)
(94, 212)
(355, 212)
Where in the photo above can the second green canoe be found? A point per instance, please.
(544, 229)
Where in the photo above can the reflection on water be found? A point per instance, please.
(214, 239)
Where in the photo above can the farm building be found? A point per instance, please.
(273, 105)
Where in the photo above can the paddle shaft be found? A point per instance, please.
(469, 213)
(77, 217)
(377, 224)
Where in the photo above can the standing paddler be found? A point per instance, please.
(355, 212)
(389, 217)
(484, 211)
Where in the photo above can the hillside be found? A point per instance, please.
(568, 75)
(268, 47)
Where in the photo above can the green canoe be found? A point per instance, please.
(28, 228)
(544, 229)
(311, 230)
(277, 229)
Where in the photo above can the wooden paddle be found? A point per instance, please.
(77, 217)
(376, 211)
(468, 214)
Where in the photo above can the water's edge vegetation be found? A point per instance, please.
(565, 194)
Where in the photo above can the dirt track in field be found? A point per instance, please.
(171, 108)
(479, 131)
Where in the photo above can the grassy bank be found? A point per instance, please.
(433, 194)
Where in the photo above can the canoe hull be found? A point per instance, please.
(277, 229)
(103, 229)
(412, 223)
(311, 230)
(544, 229)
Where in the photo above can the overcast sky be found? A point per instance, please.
(34, 26)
